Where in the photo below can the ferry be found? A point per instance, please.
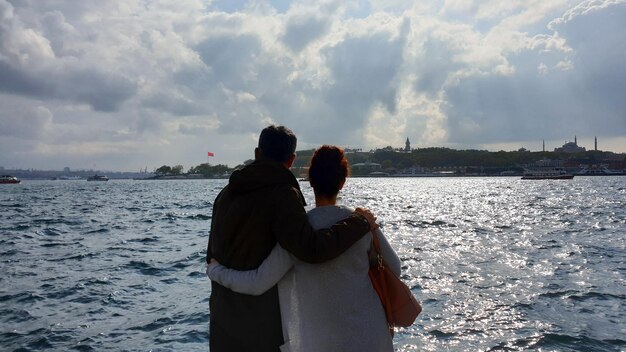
(547, 173)
(9, 179)
(70, 178)
(97, 178)
(597, 170)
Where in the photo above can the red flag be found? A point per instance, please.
(210, 154)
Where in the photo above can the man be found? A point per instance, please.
(262, 205)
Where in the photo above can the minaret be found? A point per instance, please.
(575, 141)
(407, 145)
(544, 145)
(595, 143)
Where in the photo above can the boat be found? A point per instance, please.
(9, 179)
(595, 170)
(70, 178)
(97, 178)
(547, 173)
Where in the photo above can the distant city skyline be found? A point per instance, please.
(124, 85)
(406, 145)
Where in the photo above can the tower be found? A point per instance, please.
(595, 143)
(544, 145)
(407, 145)
(575, 140)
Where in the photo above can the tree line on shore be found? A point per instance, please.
(478, 161)
(203, 170)
(432, 158)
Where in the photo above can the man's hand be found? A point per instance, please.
(371, 219)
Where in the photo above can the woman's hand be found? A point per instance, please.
(210, 265)
(371, 219)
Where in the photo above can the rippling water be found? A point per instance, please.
(500, 264)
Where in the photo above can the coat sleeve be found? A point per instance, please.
(257, 281)
(209, 253)
(389, 255)
(292, 230)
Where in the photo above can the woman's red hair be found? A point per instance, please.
(328, 170)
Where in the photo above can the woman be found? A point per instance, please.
(330, 306)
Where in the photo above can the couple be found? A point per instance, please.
(285, 280)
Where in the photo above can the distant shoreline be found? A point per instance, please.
(466, 175)
(177, 177)
(184, 177)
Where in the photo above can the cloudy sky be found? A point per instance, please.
(128, 84)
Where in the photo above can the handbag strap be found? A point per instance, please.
(375, 242)
(376, 247)
(378, 263)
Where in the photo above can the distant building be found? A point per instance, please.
(407, 145)
(414, 171)
(366, 167)
(570, 147)
(549, 163)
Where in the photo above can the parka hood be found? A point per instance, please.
(260, 174)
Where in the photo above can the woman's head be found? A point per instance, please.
(328, 171)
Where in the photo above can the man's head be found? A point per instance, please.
(277, 143)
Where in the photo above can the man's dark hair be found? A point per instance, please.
(277, 143)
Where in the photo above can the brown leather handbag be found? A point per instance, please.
(401, 307)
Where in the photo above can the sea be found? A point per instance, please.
(498, 263)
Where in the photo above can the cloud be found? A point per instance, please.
(363, 70)
(102, 90)
(170, 81)
(557, 89)
(30, 67)
(231, 59)
(302, 29)
(583, 8)
(21, 120)
(362, 73)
